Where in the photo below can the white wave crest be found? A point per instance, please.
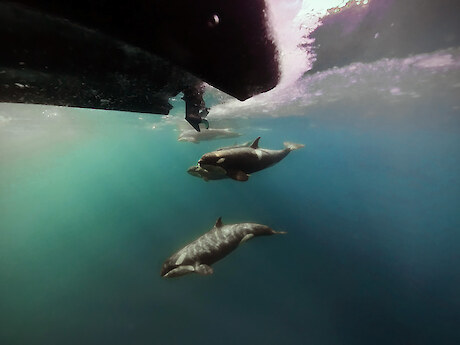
(389, 80)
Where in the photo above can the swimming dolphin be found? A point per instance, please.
(240, 161)
(209, 134)
(221, 240)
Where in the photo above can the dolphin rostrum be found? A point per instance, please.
(240, 161)
(221, 240)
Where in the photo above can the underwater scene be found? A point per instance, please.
(94, 202)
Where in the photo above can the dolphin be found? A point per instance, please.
(209, 134)
(239, 161)
(221, 240)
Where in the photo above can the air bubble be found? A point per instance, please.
(214, 21)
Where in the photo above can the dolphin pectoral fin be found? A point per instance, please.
(246, 238)
(204, 269)
(238, 175)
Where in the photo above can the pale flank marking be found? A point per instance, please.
(259, 153)
(181, 258)
(220, 236)
(221, 160)
(217, 237)
(210, 241)
(206, 248)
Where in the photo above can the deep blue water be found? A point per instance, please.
(371, 206)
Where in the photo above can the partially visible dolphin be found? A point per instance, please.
(207, 172)
(208, 134)
(246, 144)
(240, 161)
(221, 240)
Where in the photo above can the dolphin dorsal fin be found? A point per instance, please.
(219, 222)
(255, 144)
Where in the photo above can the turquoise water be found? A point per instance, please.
(371, 254)
(92, 203)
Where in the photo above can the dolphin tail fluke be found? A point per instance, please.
(279, 232)
(292, 146)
